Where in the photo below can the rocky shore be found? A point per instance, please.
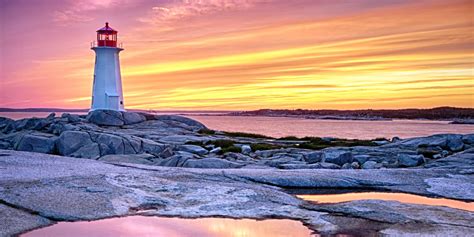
(175, 141)
(135, 163)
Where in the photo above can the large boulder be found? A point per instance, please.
(245, 149)
(405, 160)
(42, 143)
(106, 117)
(454, 143)
(77, 144)
(211, 163)
(132, 118)
(176, 120)
(338, 157)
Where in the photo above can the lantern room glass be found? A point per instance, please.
(107, 39)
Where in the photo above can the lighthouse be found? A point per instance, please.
(107, 86)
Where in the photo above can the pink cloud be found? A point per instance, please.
(189, 8)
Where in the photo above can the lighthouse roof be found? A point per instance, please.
(106, 29)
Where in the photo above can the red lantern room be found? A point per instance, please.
(106, 36)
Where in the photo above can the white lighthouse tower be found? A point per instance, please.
(107, 89)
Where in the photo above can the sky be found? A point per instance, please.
(243, 54)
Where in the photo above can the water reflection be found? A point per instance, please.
(401, 197)
(175, 227)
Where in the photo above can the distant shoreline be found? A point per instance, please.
(453, 114)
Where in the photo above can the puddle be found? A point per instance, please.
(175, 227)
(400, 197)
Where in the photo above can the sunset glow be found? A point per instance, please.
(243, 54)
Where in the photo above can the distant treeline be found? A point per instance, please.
(439, 113)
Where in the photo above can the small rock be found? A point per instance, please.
(405, 160)
(246, 149)
(346, 166)
(396, 139)
(337, 157)
(71, 118)
(51, 116)
(314, 157)
(216, 150)
(355, 165)
(369, 165)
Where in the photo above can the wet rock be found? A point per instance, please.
(71, 118)
(314, 157)
(106, 117)
(338, 157)
(42, 143)
(198, 150)
(246, 149)
(211, 163)
(132, 118)
(405, 160)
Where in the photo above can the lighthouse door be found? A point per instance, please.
(113, 102)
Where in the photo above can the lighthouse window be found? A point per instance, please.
(121, 102)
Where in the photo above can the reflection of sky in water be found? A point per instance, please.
(175, 227)
(401, 197)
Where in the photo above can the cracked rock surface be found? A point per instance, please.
(37, 190)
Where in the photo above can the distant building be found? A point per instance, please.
(107, 88)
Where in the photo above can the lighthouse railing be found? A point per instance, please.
(94, 44)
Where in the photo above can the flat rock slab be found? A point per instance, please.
(40, 189)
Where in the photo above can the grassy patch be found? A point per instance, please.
(207, 131)
(317, 143)
(264, 146)
(235, 149)
(222, 143)
(249, 135)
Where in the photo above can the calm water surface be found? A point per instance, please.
(355, 129)
(400, 197)
(281, 126)
(143, 226)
